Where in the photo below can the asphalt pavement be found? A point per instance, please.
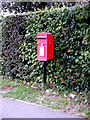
(10, 108)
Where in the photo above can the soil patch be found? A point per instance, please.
(7, 88)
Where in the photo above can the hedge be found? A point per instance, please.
(69, 67)
(12, 33)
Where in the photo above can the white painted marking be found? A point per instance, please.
(41, 50)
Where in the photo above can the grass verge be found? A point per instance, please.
(55, 100)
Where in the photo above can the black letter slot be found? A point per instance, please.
(41, 37)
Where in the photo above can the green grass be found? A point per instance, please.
(25, 93)
(4, 81)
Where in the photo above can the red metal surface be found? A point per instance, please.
(44, 46)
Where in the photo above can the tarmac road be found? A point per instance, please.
(19, 109)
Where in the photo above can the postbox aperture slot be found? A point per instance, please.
(41, 37)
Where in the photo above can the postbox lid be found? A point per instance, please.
(42, 34)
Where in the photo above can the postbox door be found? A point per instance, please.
(42, 51)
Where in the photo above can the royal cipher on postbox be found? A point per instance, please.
(44, 46)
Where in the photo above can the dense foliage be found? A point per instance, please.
(20, 7)
(70, 28)
(12, 33)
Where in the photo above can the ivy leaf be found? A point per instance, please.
(80, 57)
(76, 60)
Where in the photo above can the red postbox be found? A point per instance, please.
(44, 46)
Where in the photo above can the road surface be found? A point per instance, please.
(10, 108)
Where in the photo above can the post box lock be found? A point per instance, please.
(44, 46)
